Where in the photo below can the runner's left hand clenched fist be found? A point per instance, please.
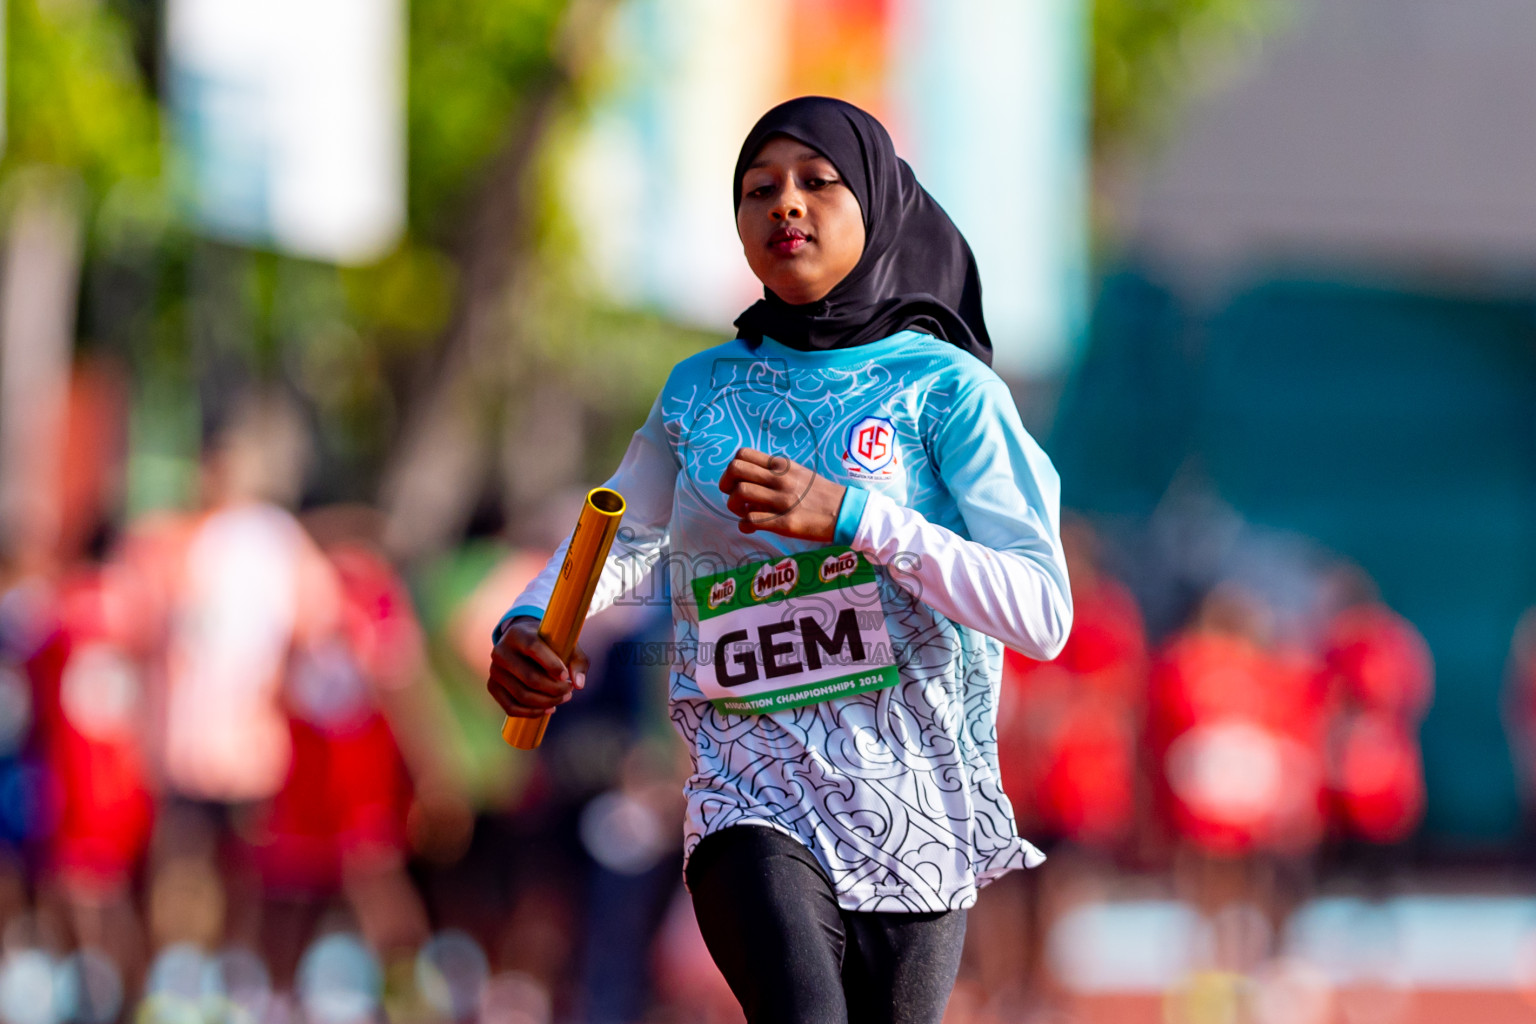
(777, 494)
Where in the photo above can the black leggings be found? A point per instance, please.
(771, 921)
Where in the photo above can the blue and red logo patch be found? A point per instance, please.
(871, 445)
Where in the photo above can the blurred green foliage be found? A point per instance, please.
(492, 95)
(1147, 54)
(472, 67)
(74, 96)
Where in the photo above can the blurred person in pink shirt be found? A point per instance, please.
(231, 590)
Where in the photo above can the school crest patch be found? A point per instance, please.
(871, 444)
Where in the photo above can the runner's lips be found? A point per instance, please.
(787, 240)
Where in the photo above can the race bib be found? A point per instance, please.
(792, 631)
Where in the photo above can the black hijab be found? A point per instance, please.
(917, 271)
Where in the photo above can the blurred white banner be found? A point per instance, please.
(290, 114)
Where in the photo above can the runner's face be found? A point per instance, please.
(800, 224)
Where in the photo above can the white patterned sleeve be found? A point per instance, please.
(1009, 579)
(646, 477)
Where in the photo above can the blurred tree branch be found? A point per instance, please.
(437, 470)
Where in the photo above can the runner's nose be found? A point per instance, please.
(791, 204)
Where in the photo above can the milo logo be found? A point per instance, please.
(775, 577)
(722, 592)
(834, 566)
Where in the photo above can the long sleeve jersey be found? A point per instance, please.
(895, 790)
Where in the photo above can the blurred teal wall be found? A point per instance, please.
(1396, 428)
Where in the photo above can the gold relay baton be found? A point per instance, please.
(572, 596)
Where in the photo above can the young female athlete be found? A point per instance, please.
(851, 517)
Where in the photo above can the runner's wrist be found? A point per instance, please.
(522, 611)
(849, 514)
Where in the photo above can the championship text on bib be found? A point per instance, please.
(792, 631)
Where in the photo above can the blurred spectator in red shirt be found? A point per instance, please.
(93, 712)
(1067, 752)
(1380, 676)
(1236, 728)
(1236, 731)
(1067, 728)
(353, 799)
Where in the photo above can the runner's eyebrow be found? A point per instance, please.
(804, 154)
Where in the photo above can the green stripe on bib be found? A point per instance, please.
(799, 575)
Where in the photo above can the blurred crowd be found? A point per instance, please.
(1260, 740)
(248, 770)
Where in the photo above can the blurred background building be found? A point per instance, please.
(317, 319)
(1322, 281)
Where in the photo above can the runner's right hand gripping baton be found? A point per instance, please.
(572, 596)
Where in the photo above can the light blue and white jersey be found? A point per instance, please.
(896, 790)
